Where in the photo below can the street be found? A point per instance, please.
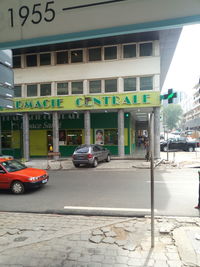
(176, 191)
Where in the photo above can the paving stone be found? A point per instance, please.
(121, 259)
(108, 240)
(120, 242)
(96, 239)
(97, 232)
(129, 246)
(110, 234)
(105, 229)
(97, 258)
(172, 256)
(174, 263)
(166, 229)
(109, 259)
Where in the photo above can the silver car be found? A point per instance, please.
(90, 155)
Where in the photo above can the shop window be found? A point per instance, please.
(62, 137)
(31, 90)
(45, 89)
(110, 137)
(129, 51)
(17, 62)
(146, 49)
(6, 139)
(146, 83)
(31, 60)
(77, 88)
(94, 54)
(62, 88)
(74, 137)
(129, 84)
(62, 57)
(95, 86)
(111, 85)
(76, 56)
(17, 91)
(110, 52)
(45, 59)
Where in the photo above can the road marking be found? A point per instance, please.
(107, 209)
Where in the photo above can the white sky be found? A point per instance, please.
(184, 71)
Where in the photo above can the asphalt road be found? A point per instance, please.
(176, 192)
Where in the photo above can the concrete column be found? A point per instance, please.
(55, 133)
(26, 151)
(156, 133)
(87, 126)
(121, 133)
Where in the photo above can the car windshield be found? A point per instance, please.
(84, 149)
(13, 165)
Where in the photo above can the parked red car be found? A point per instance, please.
(17, 177)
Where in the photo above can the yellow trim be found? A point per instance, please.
(15, 139)
(125, 136)
(38, 142)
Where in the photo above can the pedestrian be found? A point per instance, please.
(146, 145)
(198, 206)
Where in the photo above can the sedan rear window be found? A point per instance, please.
(82, 150)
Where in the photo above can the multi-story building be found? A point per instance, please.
(65, 93)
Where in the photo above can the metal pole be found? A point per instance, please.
(152, 176)
(167, 147)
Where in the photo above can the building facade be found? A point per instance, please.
(66, 94)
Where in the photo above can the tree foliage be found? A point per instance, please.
(172, 115)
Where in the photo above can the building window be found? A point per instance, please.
(146, 83)
(31, 60)
(62, 88)
(45, 89)
(110, 52)
(129, 51)
(17, 62)
(77, 88)
(6, 139)
(146, 49)
(17, 91)
(94, 54)
(110, 137)
(74, 137)
(45, 59)
(129, 84)
(76, 56)
(62, 57)
(111, 85)
(31, 90)
(95, 86)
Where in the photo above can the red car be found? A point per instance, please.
(17, 177)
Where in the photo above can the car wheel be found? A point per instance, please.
(165, 148)
(95, 163)
(108, 158)
(17, 187)
(190, 149)
(76, 165)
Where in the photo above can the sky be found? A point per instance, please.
(184, 71)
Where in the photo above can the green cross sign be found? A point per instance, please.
(170, 96)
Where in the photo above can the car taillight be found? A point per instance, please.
(89, 156)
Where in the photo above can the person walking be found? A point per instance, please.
(198, 206)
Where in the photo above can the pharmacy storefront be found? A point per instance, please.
(36, 124)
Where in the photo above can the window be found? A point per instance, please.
(146, 83)
(129, 51)
(62, 57)
(45, 89)
(6, 139)
(45, 59)
(129, 84)
(110, 52)
(62, 88)
(110, 137)
(17, 91)
(77, 88)
(74, 137)
(17, 62)
(32, 90)
(77, 56)
(111, 86)
(95, 86)
(31, 60)
(94, 54)
(146, 49)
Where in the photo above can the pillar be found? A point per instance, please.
(156, 133)
(121, 133)
(55, 133)
(87, 126)
(26, 151)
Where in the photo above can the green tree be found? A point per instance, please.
(172, 115)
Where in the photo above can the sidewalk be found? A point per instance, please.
(39, 240)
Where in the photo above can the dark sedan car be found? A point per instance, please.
(179, 143)
(90, 155)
